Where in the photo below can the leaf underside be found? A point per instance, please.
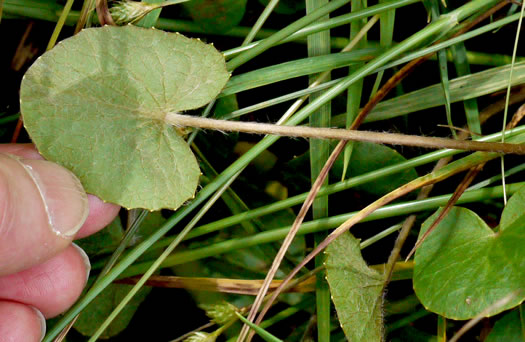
(356, 290)
(96, 104)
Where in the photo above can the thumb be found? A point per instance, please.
(42, 206)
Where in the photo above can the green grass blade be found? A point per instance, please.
(507, 97)
(332, 23)
(319, 44)
(459, 53)
(60, 24)
(260, 331)
(241, 83)
(260, 22)
(285, 32)
(433, 7)
(445, 85)
(494, 60)
(461, 88)
(400, 323)
(355, 91)
(498, 177)
(297, 68)
(386, 29)
(441, 329)
(392, 210)
(280, 99)
(9, 118)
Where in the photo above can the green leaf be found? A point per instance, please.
(216, 16)
(464, 267)
(97, 311)
(356, 290)
(367, 157)
(96, 104)
(507, 328)
(260, 331)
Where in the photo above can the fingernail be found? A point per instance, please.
(85, 258)
(42, 322)
(65, 200)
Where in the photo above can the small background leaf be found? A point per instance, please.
(96, 104)
(97, 312)
(367, 157)
(507, 328)
(356, 290)
(216, 15)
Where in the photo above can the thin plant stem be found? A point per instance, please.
(179, 120)
(104, 17)
(59, 25)
(86, 14)
(441, 329)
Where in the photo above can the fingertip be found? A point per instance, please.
(42, 206)
(52, 286)
(20, 323)
(27, 151)
(100, 215)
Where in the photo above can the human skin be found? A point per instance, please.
(41, 272)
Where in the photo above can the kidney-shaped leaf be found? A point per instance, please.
(356, 290)
(96, 104)
(464, 267)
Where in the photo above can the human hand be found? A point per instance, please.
(43, 208)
